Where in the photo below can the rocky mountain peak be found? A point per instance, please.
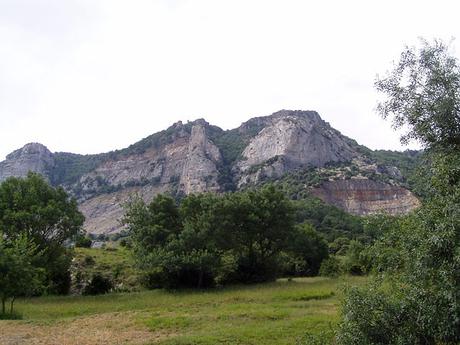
(308, 114)
(195, 157)
(33, 157)
(200, 122)
(30, 149)
(289, 140)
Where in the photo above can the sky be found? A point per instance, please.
(90, 76)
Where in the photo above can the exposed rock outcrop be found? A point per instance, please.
(364, 196)
(196, 157)
(33, 157)
(200, 172)
(292, 139)
(187, 164)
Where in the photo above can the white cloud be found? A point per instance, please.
(92, 76)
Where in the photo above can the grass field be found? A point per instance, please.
(282, 312)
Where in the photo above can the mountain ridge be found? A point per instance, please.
(198, 157)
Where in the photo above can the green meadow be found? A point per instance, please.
(282, 312)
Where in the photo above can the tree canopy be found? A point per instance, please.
(415, 297)
(218, 239)
(423, 94)
(19, 275)
(46, 216)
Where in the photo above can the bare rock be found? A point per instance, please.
(301, 138)
(200, 171)
(33, 157)
(364, 197)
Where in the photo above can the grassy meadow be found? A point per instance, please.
(282, 312)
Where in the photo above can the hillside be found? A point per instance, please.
(294, 148)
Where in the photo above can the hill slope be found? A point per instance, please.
(198, 157)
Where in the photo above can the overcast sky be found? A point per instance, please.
(97, 75)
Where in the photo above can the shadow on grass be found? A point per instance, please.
(8, 316)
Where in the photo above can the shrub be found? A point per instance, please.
(330, 267)
(83, 242)
(98, 285)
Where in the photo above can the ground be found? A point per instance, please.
(282, 312)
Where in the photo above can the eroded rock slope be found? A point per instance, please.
(196, 157)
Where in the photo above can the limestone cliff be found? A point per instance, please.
(187, 164)
(32, 157)
(200, 172)
(363, 196)
(292, 139)
(196, 157)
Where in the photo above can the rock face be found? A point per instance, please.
(196, 157)
(32, 157)
(364, 196)
(200, 172)
(292, 139)
(186, 164)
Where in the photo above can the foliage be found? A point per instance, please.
(174, 247)
(232, 142)
(307, 249)
(116, 265)
(98, 285)
(356, 261)
(18, 274)
(328, 220)
(83, 241)
(423, 92)
(415, 298)
(45, 215)
(260, 223)
(330, 267)
(209, 239)
(69, 167)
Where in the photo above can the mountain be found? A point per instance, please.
(294, 148)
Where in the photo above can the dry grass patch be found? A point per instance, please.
(109, 328)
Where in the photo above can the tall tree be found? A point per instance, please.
(415, 298)
(47, 216)
(261, 222)
(18, 274)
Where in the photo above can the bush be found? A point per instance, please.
(372, 315)
(330, 267)
(98, 285)
(83, 242)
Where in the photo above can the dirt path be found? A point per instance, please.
(110, 328)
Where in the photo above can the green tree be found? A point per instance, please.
(415, 298)
(261, 223)
(176, 246)
(151, 225)
(307, 249)
(210, 239)
(19, 275)
(48, 217)
(423, 94)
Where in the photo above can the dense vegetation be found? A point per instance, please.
(414, 297)
(46, 217)
(211, 239)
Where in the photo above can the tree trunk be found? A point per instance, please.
(11, 305)
(200, 279)
(3, 305)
